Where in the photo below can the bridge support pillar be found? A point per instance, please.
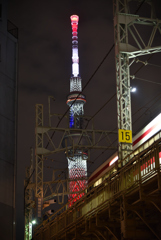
(135, 220)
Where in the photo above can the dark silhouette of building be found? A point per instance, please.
(8, 123)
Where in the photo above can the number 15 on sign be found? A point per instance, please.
(125, 136)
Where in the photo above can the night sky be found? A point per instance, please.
(45, 69)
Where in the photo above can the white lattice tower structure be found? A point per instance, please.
(77, 160)
(126, 49)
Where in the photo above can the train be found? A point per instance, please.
(140, 139)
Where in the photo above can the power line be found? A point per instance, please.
(154, 65)
(116, 128)
(147, 107)
(93, 117)
(133, 122)
(143, 65)
(89, 82)
(135, 73)
(146, 63)
(147, 103)
(100, 109)
(139, 6)
(102, 152)
(96, 72)
(90, 78)
(98, 67)
(112, 96)
(133, 114)
(103, 106)
(83, 89)
(145, 80)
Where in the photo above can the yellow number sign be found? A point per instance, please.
(125, 136)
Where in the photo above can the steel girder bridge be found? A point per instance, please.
(126, 205)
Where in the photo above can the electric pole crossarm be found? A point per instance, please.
(47, 152)
(54, 188)
(141, 47)
(43, 129)
(92, 139)
(138, 53)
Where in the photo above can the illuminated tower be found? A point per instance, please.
(77, 160)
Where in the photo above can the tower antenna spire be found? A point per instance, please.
(75, 57)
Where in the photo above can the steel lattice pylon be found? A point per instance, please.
(126, 24)
(28, 200)
(39, 160)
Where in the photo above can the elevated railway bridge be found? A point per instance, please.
(126, 205)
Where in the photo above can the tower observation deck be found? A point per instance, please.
(77, 160)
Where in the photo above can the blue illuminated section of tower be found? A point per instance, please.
(77, 161)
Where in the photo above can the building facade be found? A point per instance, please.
(8, 123)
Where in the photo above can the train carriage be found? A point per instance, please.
(141, 141)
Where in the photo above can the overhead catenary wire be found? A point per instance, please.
(145, 62)
(154, 65)
(145, 80)
(107, 54)
(111, 48)
(148, 107)
(133, 124)
(101, 108)
(97, 68)
(135, 73)
(143, 65)
(116, 127)
(140, 6)
(134, 114)
(147, 103)
(90, 80)
(93, 117)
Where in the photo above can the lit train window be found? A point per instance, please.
(99, 181)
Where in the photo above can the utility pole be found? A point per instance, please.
(125, 25)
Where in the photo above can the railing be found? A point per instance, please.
(139, 170)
